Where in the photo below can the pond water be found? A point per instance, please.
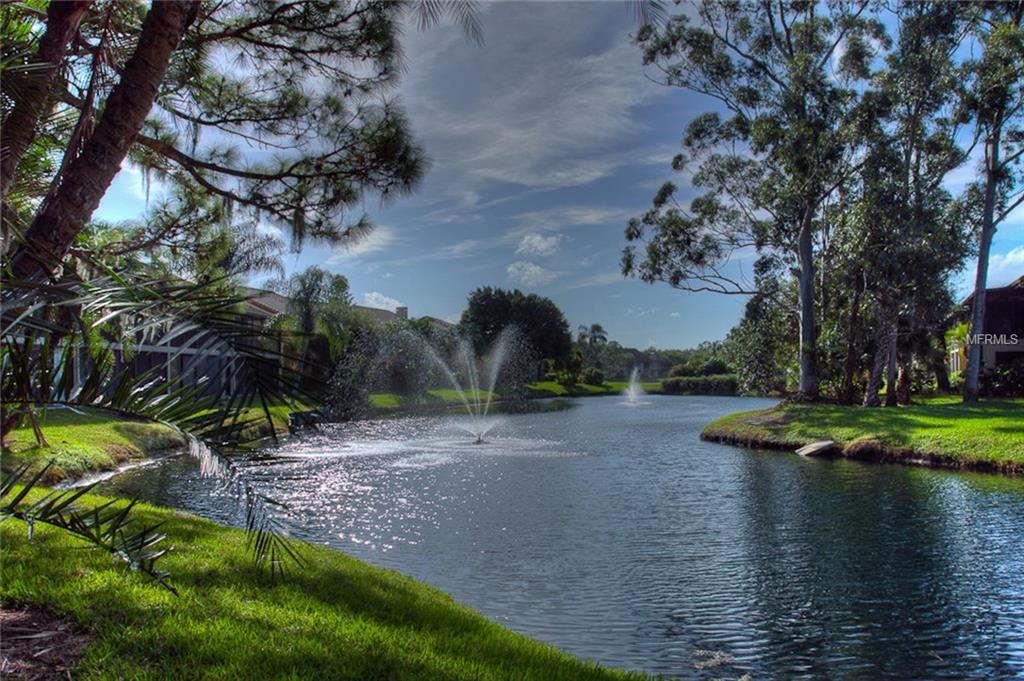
(613, 532)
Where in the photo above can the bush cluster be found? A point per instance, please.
(718, 384)
(1003, 381)
(710, 367)
(592, 376)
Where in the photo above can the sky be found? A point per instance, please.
(543, 142)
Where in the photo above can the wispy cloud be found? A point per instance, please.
(529, 274)
(600, 279)
(563, 123)
(563, 218)
(379, 239)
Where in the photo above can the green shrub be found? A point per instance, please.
(684, 369)
(592, 376)
(720, 384)
(714, 367)
(1004, 381)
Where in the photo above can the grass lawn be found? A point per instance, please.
(445, 397)
(253, 421)
(338, 618)
(85, 441)
(554, 389)
(989, 434)
(393, 402)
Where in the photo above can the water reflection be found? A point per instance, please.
(618, 535)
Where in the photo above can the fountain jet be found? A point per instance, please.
(481, 378)
(634, 391)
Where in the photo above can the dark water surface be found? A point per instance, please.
(614, 533)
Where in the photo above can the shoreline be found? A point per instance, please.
(335, 617)
(872, 436)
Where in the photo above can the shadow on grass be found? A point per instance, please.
(334, 618)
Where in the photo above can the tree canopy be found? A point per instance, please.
(489, 310)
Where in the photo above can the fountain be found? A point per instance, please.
(633, 391)
(477, 395)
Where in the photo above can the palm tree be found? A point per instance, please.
(591, 339)
(319, 303)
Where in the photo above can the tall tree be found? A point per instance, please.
(34, 81)
(782, 149)
(997, 98)
(280, 109)
(88, 176)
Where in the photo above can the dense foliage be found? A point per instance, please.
(542, 325)
(826, 156)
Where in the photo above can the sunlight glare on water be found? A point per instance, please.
(618, 535)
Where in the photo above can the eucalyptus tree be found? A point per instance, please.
(783, 77)
(997, 101)
(277, 108)
(908, 234)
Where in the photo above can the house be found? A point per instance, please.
(401, 313)
(1002, 340)
(383, 316)
(180, 361)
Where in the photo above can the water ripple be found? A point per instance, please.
(616, 534)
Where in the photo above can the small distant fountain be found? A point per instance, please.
(476, 397)
(634, 391)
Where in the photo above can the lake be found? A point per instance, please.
(613, 532)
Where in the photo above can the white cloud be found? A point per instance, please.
(673, 314)
(381, 301)
(380, 238)
(529, 274)
(538, 244)
(1005, 267)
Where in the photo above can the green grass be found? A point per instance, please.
(85, 441)
(554, 389)
(338, 618)
(443, 397)
(447, 397)
(987, 434)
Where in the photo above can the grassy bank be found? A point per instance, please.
(337, 618)
(443, 398)
(940, 431)
(85, 441)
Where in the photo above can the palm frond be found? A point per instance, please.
(465, 13)
(106, 526)
(70, 343)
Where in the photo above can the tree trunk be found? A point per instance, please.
(849, 365)
(89, 175)
(808, 342)
(903, 383)
(988, 230)
(890, 371)
(874, 387)
(19, 127)
(937, 363)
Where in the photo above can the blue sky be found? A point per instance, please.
(543, 142)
